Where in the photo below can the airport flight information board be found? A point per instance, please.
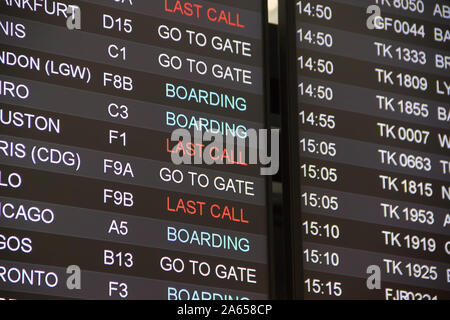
(90, 92)
(370, 90)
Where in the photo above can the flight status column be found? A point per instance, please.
(374, 112)
(91, 204)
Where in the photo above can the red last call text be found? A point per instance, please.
(198, 11)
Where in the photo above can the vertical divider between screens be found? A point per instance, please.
(290, 146)
(268, 179)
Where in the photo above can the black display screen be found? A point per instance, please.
(90, 92)
(369, 90)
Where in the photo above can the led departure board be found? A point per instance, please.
(92, 205)
(368, 117)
